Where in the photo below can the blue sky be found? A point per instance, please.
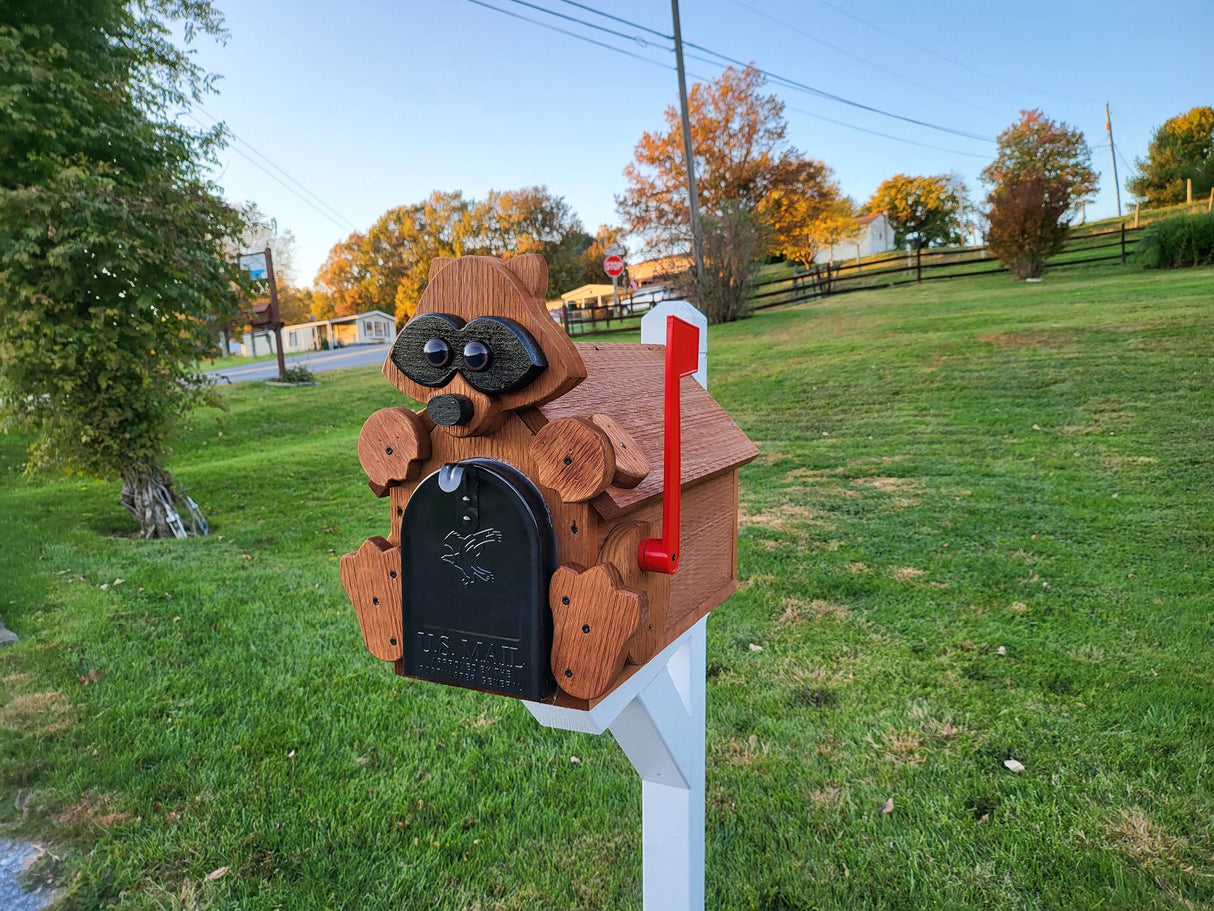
(369, 105)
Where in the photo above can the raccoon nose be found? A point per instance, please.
(449, 410)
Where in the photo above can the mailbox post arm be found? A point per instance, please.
(657, 716)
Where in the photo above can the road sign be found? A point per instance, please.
(614, 266)
(255, 265)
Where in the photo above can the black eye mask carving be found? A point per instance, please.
(494, 355)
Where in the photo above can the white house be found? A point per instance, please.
(371, 328)
(875, 236)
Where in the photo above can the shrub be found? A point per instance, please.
(1186, 240)
(1026, 226)
(731, 259)
(298, 374)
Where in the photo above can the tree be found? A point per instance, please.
(1036, 146)
(343, 277)
(921, 210)
(1026, 223)
(741, 158)
(113, 245)
(389, 266)
(1041, 174)
(1181, 150)
(807, 223)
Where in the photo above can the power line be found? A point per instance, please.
(599, 12)
(280, 170)
(601, 28)
(846, 53)
(830, 96)
(937, 54)
(275, 178)
(852, 126)
(775, 77)
(562, 31)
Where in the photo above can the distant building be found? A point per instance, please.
(660, 270)
(876, 235)
(371, 328)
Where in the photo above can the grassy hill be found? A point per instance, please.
(979, 530)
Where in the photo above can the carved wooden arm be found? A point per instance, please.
(391, 447)
(580, 457)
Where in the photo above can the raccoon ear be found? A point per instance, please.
(437, 265)
(532, 270)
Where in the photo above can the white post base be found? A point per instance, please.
(657, 716)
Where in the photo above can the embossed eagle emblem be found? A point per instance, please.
(464, 553)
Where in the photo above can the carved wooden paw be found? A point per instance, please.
(391, 447)
(594, 618)
(371, 577)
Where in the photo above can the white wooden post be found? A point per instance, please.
(657, 716)
(653, 330)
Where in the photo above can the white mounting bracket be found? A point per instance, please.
(657, 716)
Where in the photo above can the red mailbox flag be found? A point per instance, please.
(682, 359)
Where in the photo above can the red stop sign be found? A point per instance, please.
(613, 266)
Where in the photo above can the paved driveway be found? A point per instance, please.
(316, 361)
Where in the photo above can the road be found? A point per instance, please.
(316, 361)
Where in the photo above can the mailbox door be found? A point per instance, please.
(477, 551)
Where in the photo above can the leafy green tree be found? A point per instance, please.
(113, 245)
(1181, 150)
(921, 210)
(1035, 146)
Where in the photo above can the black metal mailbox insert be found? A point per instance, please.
(477, 551)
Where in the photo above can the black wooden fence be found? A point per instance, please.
(933, 265)
(900, 269)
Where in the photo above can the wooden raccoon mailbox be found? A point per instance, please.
(539, 505)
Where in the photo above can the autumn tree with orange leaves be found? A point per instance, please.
(743, 163)
(388, 267)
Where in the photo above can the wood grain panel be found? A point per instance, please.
(392, 445)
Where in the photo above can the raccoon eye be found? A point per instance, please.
(437, 353)
(476, 356)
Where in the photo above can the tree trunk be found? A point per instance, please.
(147, 492)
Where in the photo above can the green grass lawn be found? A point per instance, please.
(979, 531)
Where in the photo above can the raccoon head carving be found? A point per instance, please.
(482, 344)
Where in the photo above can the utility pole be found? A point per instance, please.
(693, 198)
(1108, 125)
